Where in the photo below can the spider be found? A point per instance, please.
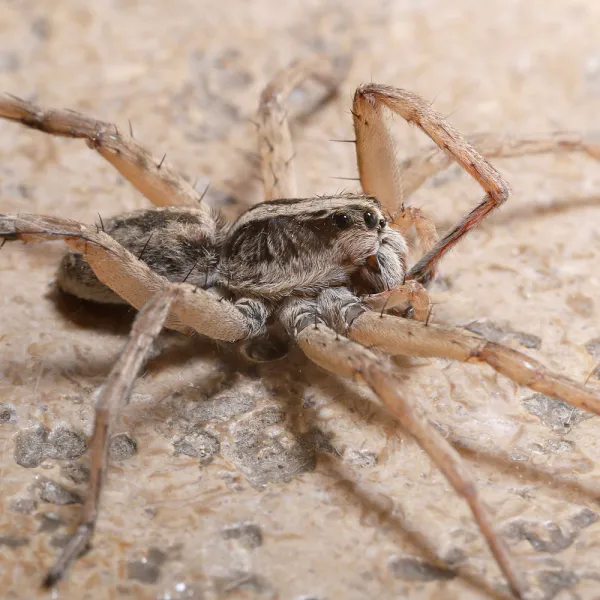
(331, 272)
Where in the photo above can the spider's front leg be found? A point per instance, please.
(304, 321)
(391, 184)
(150, 175)
(397, 336)
(410, 293)
(416, 170)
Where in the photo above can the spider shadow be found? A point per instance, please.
(375, 415)
(116, 319)
(330, 464)
(513, 211)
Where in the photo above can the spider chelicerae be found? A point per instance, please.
(330, 272)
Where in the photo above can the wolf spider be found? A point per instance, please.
(331, 271)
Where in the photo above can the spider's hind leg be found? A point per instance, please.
(150, 175)
(274, 138)
(172, 241)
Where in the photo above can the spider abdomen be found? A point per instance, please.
(174, 242)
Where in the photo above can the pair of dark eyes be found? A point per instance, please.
(343, 220)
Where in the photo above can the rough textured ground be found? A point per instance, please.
(282, 481)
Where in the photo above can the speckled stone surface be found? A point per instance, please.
(280, 481)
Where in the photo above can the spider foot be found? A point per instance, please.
(410, 292)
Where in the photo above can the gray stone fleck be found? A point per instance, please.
(157, 556)
(546, 537)
(410, 568)
(552, 582)
(360, 458)
(60, 540)
(265, 451)
(518, 457)
(321, 440)
(64, 444)
(198, 444)
(13, 541)
(556, 415)
(553, 447)
(54, 493)
(29, 446)
(143, 570)
(36, 443)
(221, 407)
(489, 330)
(246, 532)
(500, 332)
(76, 472)
(584, 518)
(49, 521)
(242, 581)
(593, 348)
(549, 536)
(6, 413)
(528, 340)
(122, 446)
(24, 506)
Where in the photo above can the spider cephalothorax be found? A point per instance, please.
(302, 246)
(315, 267)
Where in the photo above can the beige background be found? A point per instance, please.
(313, 491)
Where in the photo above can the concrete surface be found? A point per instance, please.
(232, 481)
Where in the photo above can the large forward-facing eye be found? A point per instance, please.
(371, 219)
(342, 220)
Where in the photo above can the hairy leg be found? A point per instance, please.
(411, 292)
(415, 171)
(399, 336)
(378, 168)
(193, 309)
(151, 176)
(274, 139)
(407, 217)
(350, 359)
(113, 396)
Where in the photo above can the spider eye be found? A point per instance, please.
(371, 219)
(342, 220)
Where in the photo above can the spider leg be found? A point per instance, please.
(342, 356)
(151, 176)
(379, 172)
(113, 396)
(410, 292)
(409, 216)
(274, 138)
(415, 171)
(399, 336)
(193, 309)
